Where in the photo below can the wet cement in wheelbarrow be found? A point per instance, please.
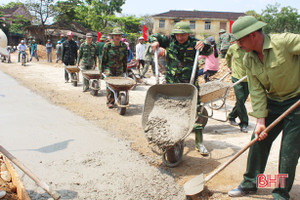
(212, 86)
(168, 121)
(120, 81)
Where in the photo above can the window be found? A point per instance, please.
(193, 24)
(223, 25)
(176, 21)
(207, 25)
(161, 23)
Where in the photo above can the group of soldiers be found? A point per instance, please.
(271, 63)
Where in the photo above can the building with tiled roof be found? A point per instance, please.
(202, 23)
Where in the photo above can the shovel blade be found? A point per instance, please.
(194, 186)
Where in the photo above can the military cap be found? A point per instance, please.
(3, 43)
(245, 25)
(181, 27)
(141, 38)
(210, 40)
(222, 31)
(103, 37)
(49, 40)
(89, 35)
(117, 31)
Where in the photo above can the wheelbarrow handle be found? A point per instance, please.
(242, 79)
(194, 67)
(156, 65)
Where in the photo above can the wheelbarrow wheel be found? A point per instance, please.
(94, 92)
(201, 119)
(173, 156)
(74, 79)
(131, 75)
(122, 101)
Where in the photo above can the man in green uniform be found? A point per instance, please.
(224, 42)
(30, 44)
(234, 59)
(273, 69)
(88, 55)
(100, 46)
(181, 50)
(114, 60)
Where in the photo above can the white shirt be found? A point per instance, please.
(22, 47)
(140, 49)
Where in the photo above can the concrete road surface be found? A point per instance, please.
(78, 159)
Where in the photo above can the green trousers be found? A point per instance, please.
(86, 82)
(289, 152)
(241, 92)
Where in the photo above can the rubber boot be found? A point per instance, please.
(199, 143)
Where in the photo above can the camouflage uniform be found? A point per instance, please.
(88, 55)
(224, 43)
(180, 60)
(99, 50)
(114, 61)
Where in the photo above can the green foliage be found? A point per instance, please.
(252, 13)
(66, 10)
(19, 22)
(279, 20)
(12, 5)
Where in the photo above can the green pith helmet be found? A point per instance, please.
(245, 25)
(181, 27)
(103, 37)
(222, 31)
(117, 31)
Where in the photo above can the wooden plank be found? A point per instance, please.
(21, 191)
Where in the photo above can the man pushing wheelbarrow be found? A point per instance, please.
(114, 61)
(181, 50)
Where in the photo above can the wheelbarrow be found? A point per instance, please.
(73, 72)
(119, 86)
(93, 77)
(215, 97)
(172, 153)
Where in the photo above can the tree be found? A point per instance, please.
(41, 9)
(148, 21)
(67, 10)
(281, 20)
(252, 13)
(12, 5)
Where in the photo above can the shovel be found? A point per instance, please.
(196, 185)
(27, 171)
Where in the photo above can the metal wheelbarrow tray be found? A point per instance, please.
(120, 83)
(171, 91)
(91, 74)
(72, 69)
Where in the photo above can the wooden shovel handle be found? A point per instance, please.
(281, 117)
(27, 171)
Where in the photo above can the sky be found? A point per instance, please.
(151, 7)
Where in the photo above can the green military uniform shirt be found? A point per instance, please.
(88, 54)
(234, 59)
(114, 59)
(278, 77)
(224, 41)
(180, 57)
(100, 46)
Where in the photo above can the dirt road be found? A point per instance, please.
(221, 139)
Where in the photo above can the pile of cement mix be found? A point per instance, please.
(212, 86)
(168, 121)
(122, 81)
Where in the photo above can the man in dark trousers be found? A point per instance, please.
(69, 53)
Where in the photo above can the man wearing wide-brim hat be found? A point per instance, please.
(224, 42)
(88, 57)
(114, 60)
(139, 53)
(273, 69)
(181, 50)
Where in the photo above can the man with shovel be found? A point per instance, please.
(181, 50)
(273, 69)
